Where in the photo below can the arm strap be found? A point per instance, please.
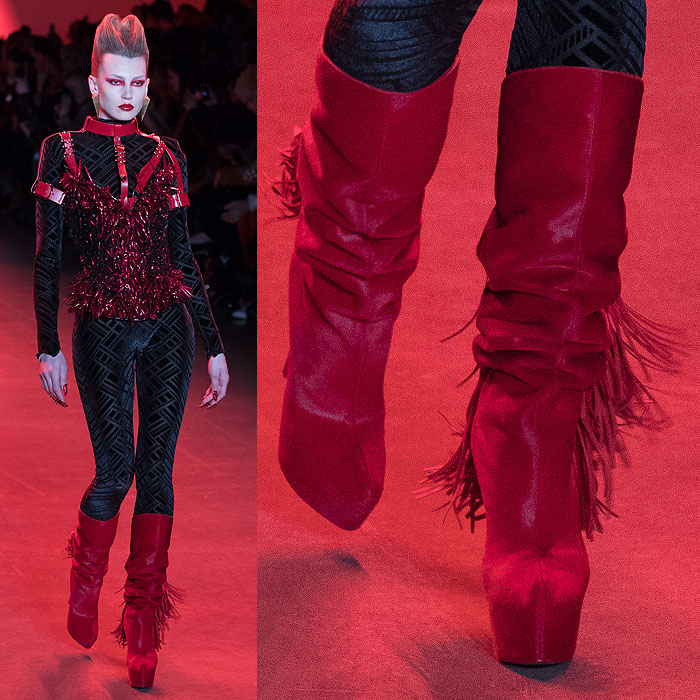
(48, 191)
(43, 189)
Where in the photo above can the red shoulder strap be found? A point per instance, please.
(147, 170)
(179, 197)
(68, 153)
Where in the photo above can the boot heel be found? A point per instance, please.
(537, 621)
(142, 670)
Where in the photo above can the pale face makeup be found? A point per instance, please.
(121, 84)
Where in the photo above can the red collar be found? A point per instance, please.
(106, 129)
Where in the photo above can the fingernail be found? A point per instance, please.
(65, 388)
(215, 394)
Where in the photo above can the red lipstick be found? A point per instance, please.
(126, 107)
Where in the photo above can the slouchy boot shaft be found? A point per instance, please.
(363, 160)
(149, 600)
(89, 546)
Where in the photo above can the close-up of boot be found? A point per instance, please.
(89, 546)
(149, 600)
(550, 250)
(362, 162)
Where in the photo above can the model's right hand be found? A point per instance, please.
(53, 372)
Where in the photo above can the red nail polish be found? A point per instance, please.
(65, 388)
(215, 394)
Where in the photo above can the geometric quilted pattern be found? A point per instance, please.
(108, 354)
(405, 45)
(609, 34)
(396, 45)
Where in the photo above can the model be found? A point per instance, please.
(555, 341)
(122, 195)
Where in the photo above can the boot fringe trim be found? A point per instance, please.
(457, 478)
(619, 400)
(166, 611)
(118, 632)
(69, 546)
(287, 186)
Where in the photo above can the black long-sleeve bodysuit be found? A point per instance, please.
(107, 350)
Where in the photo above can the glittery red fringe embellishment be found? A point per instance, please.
(618, 400)
(127, 272)
(287, 187)
(165, 611)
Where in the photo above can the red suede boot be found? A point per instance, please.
(149, 600)
(361, 163)
(89, 545)
(552, 350)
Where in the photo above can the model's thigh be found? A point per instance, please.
(608, 34)
(103, 361)
(397, 45)
(163, 373)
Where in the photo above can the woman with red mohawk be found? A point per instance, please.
(121, 195)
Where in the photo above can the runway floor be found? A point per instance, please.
(46, 465)
(396, 610)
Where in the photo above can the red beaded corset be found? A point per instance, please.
(123, 243)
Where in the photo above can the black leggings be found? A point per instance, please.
(105, 353)
(405, 45)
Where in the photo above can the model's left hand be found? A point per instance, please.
(218, 373)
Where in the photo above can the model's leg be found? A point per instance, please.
(103, 359)
(163, 372)
(362, 162)
(605, 34)
(553, 374)
(397, 45)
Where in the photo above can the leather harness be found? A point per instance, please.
(178, 198)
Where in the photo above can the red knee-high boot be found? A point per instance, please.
(554, 379)
(149, 600)
(361, 164)
(89, 545)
